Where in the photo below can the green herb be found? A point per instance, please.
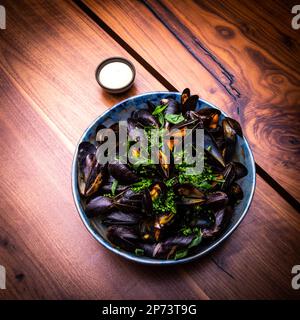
(174, 118)
(114, 187)
(170, 182)
(139, 252)
(161, 205)
(181, 254)
(161, 119)
(109, 195)
(141, 185)
(196, 241)
(159, 109)
(205, 185)
(186, 231)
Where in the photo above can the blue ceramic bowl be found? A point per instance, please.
(122, 111)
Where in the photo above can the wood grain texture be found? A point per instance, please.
(48, 97)
(240, 55)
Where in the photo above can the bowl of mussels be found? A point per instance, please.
(163, 177)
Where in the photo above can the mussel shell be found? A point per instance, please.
(240, 170)
(222, 218)
(122, 173)
(189, 191)
(235, 126)
(173, 107)
(164, 162)
(163, 220)
(107, 188)
(91, 174)
(99, 206)
(157, 189)
(215, 229)
(84, 169)
(84, 149)
(130, 201)
(151, 106)
(190, 104)
(133, 124)
(230, 140)
(207, 115)
(235, 193)
(186, 93)
(212, 150)
(121, 218)
(229, 176)
(164, 248)
(146, 118)
(95, 179)
(216, 200)
(123, 236)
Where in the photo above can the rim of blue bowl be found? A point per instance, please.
(143, 259)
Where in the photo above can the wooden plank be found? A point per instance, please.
(47, 99)
(240, 55)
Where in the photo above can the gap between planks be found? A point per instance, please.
(96, 19)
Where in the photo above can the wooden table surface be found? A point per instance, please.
(241, 55)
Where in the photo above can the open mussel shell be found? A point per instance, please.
(209, 117)
(186, 93)
(163, 220)
(145, 118)
(157, 189)
(85, 167)
(190, 104)
(188, 190)
(122, 173)
(189, 195)
(235, 126)
(95, 179)
(91, 174)
(99, 206)
(230, 138)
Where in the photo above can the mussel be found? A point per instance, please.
(125, 237)
(145, 118)
(231, 129)
(122, 173)
(91, 174)
(211, 149)
(121, 218)
(190, 195)
(154, 207)
(157, 189)
(99, 206)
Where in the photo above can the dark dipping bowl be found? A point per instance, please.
(110, 60)
(122, 111)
